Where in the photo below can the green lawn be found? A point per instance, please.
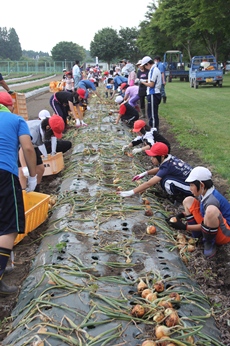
(200, 119)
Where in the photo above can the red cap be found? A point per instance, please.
(158, 149)
(106, 73)
(81, 93)
(6, 99)
(138, 125)
(123, 85)
(57, 125)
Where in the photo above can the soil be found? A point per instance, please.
(212, 275)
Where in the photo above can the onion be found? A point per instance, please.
(145, 292)
(148, 343)
(138, 310)
(141, 286)
(151, 296)
(192, 241)
(172, 319)
(117, 180)
(173, 219)
(161, 331)
(145, 201)
(148, 212)
(151, 230)
(191, 248)
(165, 304)
(159, 286)
(174, 296)
(159, 316)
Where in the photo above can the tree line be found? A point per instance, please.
(197, 27)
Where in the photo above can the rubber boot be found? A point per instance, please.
(106, 94)
(37, 188)
(4, 256)
(164, 99)
(209, 240)
(6, 290)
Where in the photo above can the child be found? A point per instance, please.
(207, 213)
(69, 82)
(170, 172)
(127, 113)
(147, 136)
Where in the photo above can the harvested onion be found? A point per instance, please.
(138, 310)
(173, 219)
(148, 343)
(165, 304)
(151, 296)
(191, 248)
(159, 286)
(148, 212)
(141, 286)
(161, 331)
(172, 319)
(174, 296)
(151, 229)
(145, 292)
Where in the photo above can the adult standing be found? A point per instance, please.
(142, 73)
(63, 101)
(13, 132)
(162, 69)
(153, 90)
(76, 74)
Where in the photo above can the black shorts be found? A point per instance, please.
(38, 156)
(12, 215)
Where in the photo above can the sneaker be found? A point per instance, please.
(209, 248)
(6, 290)
(8, 270)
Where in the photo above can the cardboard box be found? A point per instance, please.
(36, 207)
(20, 107)
(53, 164)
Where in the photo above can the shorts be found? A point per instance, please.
(12, 215)
(220, 237)
(38, 158)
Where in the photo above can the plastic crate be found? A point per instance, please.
(20, 107)
(53, 164)
(36, 207)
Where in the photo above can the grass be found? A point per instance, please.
(200, 120)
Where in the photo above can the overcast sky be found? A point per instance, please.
(40, 25)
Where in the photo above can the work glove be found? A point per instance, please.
(11, 92)
(78, 124)
(140, 176)
(53, 154)
(31, 183)
(178, 224)
(136, 151)
(143, 80)
(125, 148)
(126, 193)
(25, 172)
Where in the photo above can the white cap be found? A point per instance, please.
(145, 60)
(199, 173)
(44, 114)
(119, 99)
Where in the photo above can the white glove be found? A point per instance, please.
(140, 176)
(143, 80)
(25, 172)
(53, 154)
(31, 183)
(125, 147)
(126, 193)
(78, 124)
(136, 151)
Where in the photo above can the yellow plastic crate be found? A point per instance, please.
(36, 207)
(53, 164)
(20, 106)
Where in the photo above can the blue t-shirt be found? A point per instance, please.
(86, 84)
(12, 126)
(174, 167)
(118, 80)
(214, 197)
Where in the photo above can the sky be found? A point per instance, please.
(40, 25)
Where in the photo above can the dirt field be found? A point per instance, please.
(212, 275)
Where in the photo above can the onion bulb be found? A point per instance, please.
(159, 286)
(172, 319)
(165, 304)
(151, 229)
(191, 248)
(138, 310)
(161, 331)
(151, 296)
(174, 296)
(145, 292)
(148, 212)
(141, 286)
(159, 316)
(173, 219)
(117, 180)
(148, 343)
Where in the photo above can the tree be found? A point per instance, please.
(129, 46)
(68, 51)
(106, 45)
(10, 46)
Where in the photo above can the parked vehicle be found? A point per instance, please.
(204, 71)
(227, 66)
(175, 67)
